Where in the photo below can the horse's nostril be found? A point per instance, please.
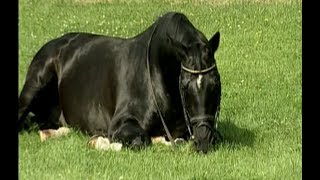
(202, 147)
(136, 143)
(205, 151)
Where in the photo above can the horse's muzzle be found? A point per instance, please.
(205, 136)
(203, 146)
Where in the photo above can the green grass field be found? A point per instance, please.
(259, 60)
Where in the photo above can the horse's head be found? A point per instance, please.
(200, 88)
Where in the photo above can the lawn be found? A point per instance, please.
(259, 60)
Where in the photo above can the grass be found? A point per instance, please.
(259, 60)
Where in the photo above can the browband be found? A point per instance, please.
(198, 71)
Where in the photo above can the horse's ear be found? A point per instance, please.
(214, 41)
(178, 46)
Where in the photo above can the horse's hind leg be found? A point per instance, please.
(27, 95)
(43, 103)
(46, 106)
(40, 95)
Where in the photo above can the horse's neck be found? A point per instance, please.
(165, 70)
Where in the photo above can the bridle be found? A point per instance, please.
(188, 121)
(195, 121)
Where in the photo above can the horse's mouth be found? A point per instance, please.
(206, 139)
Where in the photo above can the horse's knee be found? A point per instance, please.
(131, 134)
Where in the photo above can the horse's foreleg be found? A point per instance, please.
(128, 131)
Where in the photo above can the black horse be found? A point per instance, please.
(162, 82)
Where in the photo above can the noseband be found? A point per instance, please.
(204, 120)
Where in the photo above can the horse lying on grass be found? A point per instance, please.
(162, 82)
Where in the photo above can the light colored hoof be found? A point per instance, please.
(46, 134)
(160, 140)
(179, 141)
(101, 143)
(115, 146)
(63, 131)
(53, 133)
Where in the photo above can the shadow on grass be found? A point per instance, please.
(235, 137)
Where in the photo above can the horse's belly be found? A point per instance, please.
(84, 106)
(88, 118)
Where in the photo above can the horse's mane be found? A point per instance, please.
(175, 24)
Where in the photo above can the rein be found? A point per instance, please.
(153, 94)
